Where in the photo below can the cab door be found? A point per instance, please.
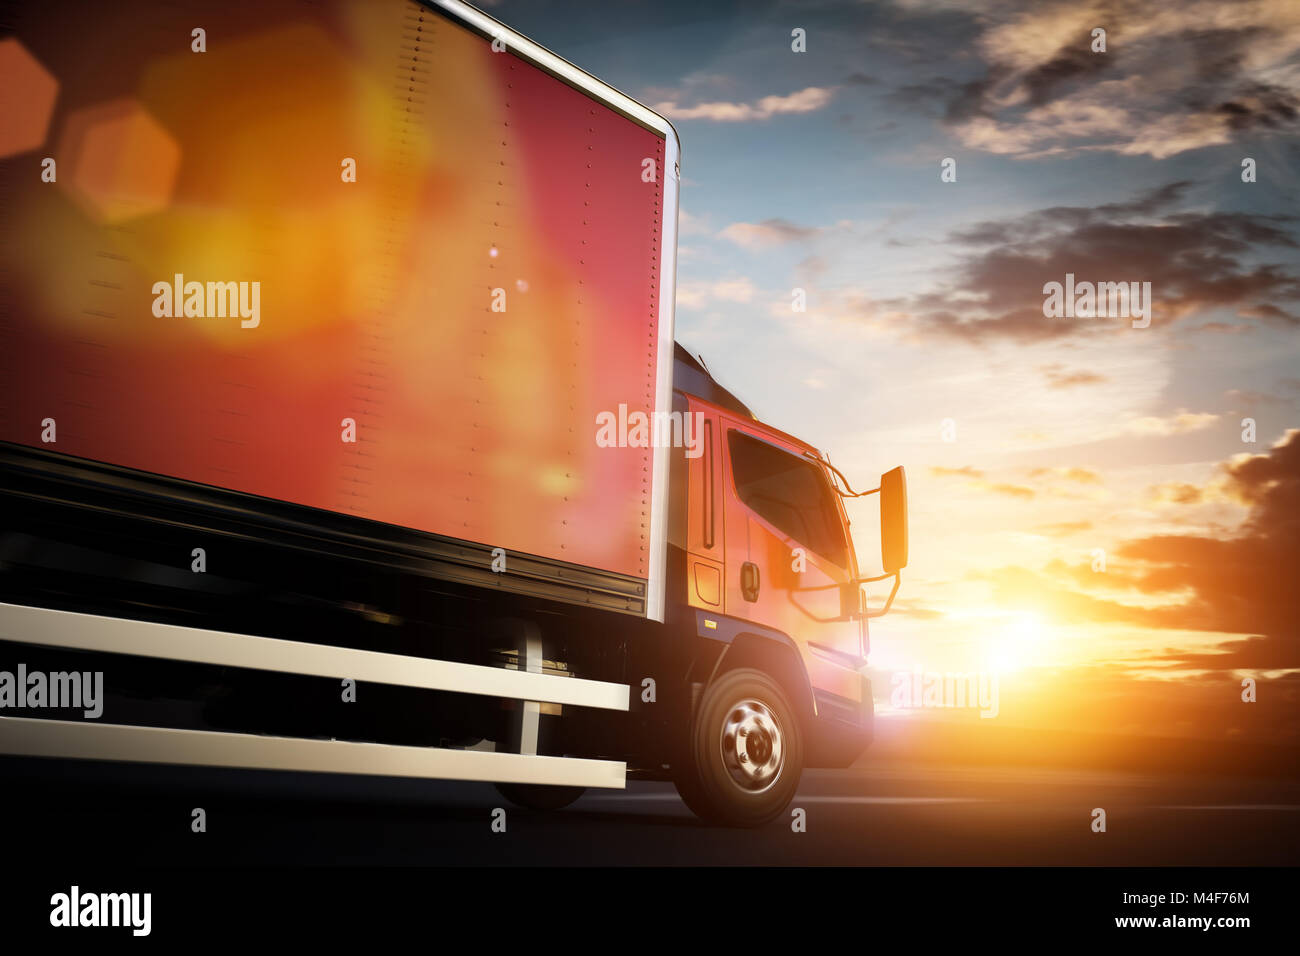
(787, 554)
(705, 557)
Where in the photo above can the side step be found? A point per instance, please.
(94, 741)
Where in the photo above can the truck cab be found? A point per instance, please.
(767, 581)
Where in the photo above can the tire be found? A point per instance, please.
(744, 755)
(532, 796)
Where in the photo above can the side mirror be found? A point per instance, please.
(893, 520)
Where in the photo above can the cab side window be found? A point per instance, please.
(789, 492)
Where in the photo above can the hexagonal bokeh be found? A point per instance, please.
(118, 160)
(30, 92)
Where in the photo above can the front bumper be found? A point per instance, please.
(843, 727)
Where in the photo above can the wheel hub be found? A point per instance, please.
(751, 746)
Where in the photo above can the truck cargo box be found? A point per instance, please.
(378, 263)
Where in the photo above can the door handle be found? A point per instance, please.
(749, 581)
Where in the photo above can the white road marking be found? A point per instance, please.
(1240, 806)
(890, 800)
(847, 799)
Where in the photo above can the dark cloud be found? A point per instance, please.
(860, 79)
(967, 101)
(1071, 63)
(1218, 53)
(1194, 261)
(1183, 85)
(1240, 584)
(1261, 106)
(1221, 83)
(940, 97)
(1055, 218)
(928, 97)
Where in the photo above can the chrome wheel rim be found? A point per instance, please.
(753, 750)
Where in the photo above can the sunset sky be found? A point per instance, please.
(821, 171)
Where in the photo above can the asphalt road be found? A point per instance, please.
(101, 814)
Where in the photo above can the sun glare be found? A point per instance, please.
(1014, 641)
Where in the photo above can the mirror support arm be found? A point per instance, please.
(889, 601)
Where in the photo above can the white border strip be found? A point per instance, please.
(656, 582)
(656, 587)
(115, 635)
(28, 737)
(556, 64)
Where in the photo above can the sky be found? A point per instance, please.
(1036, 448)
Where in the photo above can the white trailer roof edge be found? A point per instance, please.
(554, 63)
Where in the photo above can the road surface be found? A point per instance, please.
(104, 814)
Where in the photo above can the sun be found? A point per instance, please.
(1015, 640)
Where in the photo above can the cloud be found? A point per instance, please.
(1250, 398)
(1174, 77)
(698, 295)
(769, 232)
(1238, 584)
(1081, 475)
(1003, 488)
(860, 79)
(1266, 310)
(688, 225)
(1243, 584)
(1176, 493)
(811, 268)
(1177, 424)
(966, 471)
(1059, 377)
(1195, 261)
(807, 100)
(1063, 529)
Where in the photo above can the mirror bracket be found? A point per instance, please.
(893, 592)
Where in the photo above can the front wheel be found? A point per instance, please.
(539, 797)
(744, 756)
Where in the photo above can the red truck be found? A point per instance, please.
(342, 427)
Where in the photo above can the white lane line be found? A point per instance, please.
(886, 801)
(638, 796)
(890, 800)
(1239, 806)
